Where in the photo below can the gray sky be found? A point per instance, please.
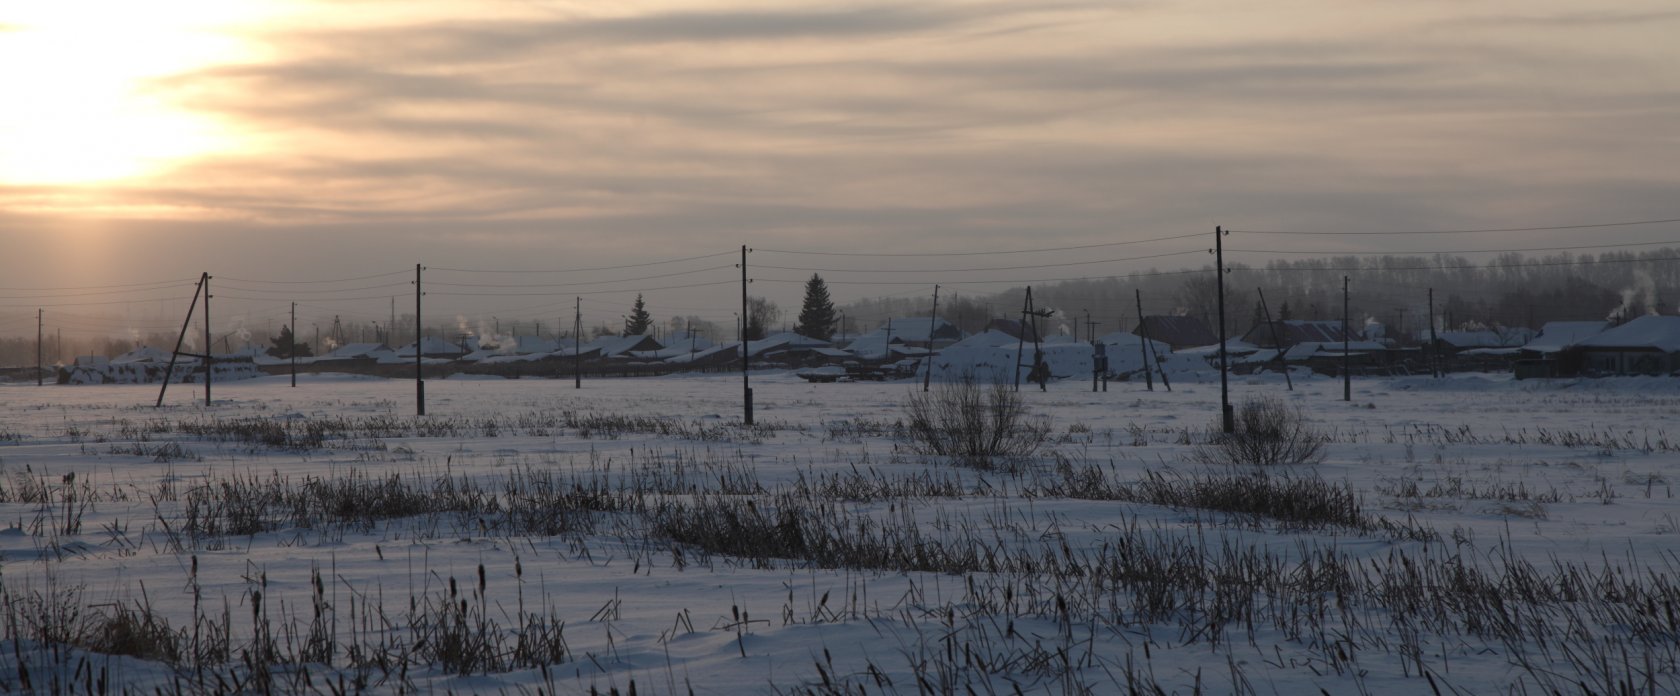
(281, 140)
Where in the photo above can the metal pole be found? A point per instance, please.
(1226, 416)
(419, 349)
(933, 320)
(746, 384)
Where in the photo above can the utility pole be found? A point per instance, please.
(203, 281)
(209, 350)
(1277, 342)
(1226, 415)
(292, 349)
(419, 349)
(577, 343)
(746, 384)
(1143, 341)
(1434, 360)
(40, 314)
(933, 321)
(1347, 360)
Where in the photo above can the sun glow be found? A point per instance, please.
(81, 103)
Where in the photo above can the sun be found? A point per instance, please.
(78, 79)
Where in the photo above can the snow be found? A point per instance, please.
(636, 610)
(1647, 332)
(1555, 336)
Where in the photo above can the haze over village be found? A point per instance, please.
(747, 347)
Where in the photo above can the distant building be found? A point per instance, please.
(1177, 331)
(1648, 345)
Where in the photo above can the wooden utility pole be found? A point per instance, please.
(577, 344)
(203, 280)
(40, 315)
(1434, 345)
(209, 350)
(1226, 415)
(419, 348)
(292, 349)
(1277, 342)
(1143, 341)
(746, 384)
(1347, 360)
(933, 321)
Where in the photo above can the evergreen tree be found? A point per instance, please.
(1284, 313)
(816, 316)
(639, 321)
(280, 350)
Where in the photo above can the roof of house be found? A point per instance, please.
(1177, 331)
(614, 346)
(1127, 339)
(354, 350)
(1647, 332)
(1293, 331)
(141, 355)
(438, 346)
(1559, 335)
(917, 329)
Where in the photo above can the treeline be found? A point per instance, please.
(1508, 291)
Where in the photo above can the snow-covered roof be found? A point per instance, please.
(872, 345)
(142, 354)
(535, 344)
(1125, 339)
(1558, 335)
(1647, 332)
(354, 350)
(784, 340)
(614, 346)
(438, 346)
(916, 329)
(989, 337)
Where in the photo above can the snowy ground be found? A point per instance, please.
(1526, 541)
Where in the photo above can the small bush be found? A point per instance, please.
(1269, 432)
(980, 426)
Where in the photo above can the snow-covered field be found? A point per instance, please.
(1510, 537)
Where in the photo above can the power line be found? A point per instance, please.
(595, 292)
(287, 292)
(577, 284)
(1459, 251)
(316, 282)
(928, 284)
(1459, 267)
(979, 253)
(968, 270)
(159, 283)
(581, 270)
(1586, 226)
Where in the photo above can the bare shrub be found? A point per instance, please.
(979, 426)
(1269, 432)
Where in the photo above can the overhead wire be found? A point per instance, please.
(580, 269)
(1546, 228)
(977, 253)
(970, 270)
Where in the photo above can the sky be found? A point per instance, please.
(316, 151)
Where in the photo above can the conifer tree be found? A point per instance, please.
(816, 316)
(638, 321)
(280, 349)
